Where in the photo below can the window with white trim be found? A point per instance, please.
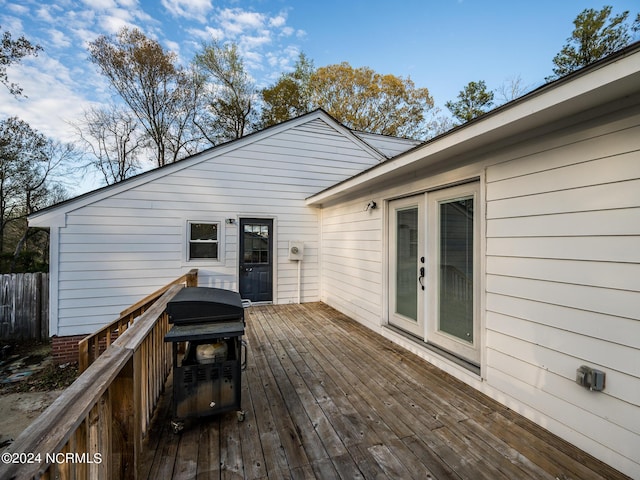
(204, 240)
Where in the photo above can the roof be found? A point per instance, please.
(605, 82)
(376, 145)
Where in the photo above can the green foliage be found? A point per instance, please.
(596, 35)
(473, 101)
(27, 261)
(290, 96)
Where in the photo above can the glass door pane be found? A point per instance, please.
(453, 226)
(456, 268)
(407, 262)
(406, 254)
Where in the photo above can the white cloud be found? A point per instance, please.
(12, 25)
(100, 4)
(192, 9)
(236, 21)
(287, 31)
(17, 9)
(52, 97)
(283, 60)
(207, 34)
(59, 39)
(172, 46)
(44, 13)
(251, 42)
(278, 21)
(113, 22)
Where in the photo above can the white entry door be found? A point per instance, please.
(434, 268)
(406, 264)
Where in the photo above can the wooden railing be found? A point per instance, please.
(95, 428)
(92, 346)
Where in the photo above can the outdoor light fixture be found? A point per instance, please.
(231, 221)
(371, 205)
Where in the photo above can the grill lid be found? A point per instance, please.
(204, 304)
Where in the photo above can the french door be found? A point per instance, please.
(433, 278)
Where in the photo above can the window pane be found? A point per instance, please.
(203, 250)
(204, 231)
(203, 240)
(456, 268)
(407, 263)
(256, 243)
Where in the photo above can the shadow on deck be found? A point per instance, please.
(327, 398)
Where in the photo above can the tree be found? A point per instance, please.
(229, 93)
(365, 100)
(359, 98)
(148, 80)
(512, 88)
(12, 52)
(596, 35)
(110, 136)
(27, 161)
(474, 100)
(290, 96)
(437, 123)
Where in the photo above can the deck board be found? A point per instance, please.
(327, 398)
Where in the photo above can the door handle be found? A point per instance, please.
(421, 277)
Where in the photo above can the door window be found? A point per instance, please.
(405, 263)
(452, 257)
(256, 243)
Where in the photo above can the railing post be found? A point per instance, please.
(83, 355)
(192, 278)
(121, 393)
(137, 407)
(99, 437)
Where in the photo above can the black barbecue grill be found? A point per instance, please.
(208, 324)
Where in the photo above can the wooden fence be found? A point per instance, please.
(95, 429)
(24, 306)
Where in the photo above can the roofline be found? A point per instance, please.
(493, 121)
(141, 178)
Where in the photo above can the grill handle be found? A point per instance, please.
(244, 348)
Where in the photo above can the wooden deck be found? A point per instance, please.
(327, 398)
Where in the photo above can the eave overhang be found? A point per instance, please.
(608, 81)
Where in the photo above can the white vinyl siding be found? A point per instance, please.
(352, 260)
(561, 287)
(563, 284)
(124, 245)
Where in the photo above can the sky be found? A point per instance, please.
(440, 44)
